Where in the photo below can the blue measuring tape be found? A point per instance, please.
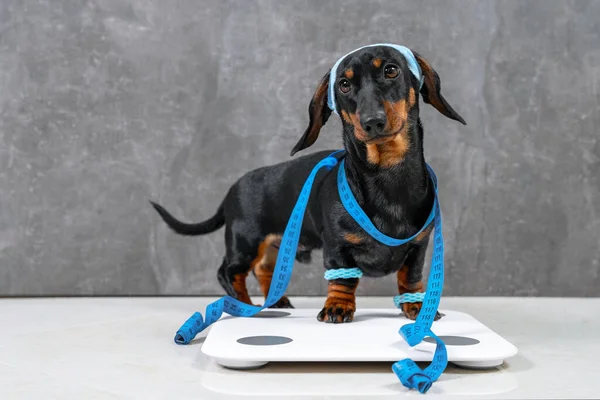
(407, 370)
(409, 373)
(363, 220)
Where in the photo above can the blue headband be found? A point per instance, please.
(413, 65)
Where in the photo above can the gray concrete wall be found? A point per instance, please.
(105, 104)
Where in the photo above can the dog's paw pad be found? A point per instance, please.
(337, 313)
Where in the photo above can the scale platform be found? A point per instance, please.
(295, 335)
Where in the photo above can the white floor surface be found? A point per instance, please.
(122, 348)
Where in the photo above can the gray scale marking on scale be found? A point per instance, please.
(454, 340)
(264, 340)
(271, 314)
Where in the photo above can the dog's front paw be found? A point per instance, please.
(411, 311)
(337, 311)
(283, 302)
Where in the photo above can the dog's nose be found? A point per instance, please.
(374, 123)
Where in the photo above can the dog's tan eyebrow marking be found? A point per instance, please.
(349, 73)
(377, 62)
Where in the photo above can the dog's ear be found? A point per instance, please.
(431, 90)
(318, 112)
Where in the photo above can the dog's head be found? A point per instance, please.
(375, 91)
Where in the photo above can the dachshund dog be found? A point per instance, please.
(377, 98)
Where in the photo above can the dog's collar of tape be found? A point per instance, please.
(407, 371)
(354, 209)
(413, 65)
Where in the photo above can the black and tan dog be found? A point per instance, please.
(378, 100)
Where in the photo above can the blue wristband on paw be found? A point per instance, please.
(409, 298)
(343, 273)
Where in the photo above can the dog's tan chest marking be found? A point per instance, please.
(353, 238)
(423, 235)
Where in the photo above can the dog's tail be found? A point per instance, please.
(200, 228)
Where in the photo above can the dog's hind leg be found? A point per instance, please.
(232, 278)
(263, 266)
(240, 251)
(247, 252)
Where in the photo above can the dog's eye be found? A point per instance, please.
(391, 71)
(345, 86)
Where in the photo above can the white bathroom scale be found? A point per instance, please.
(295, 335)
